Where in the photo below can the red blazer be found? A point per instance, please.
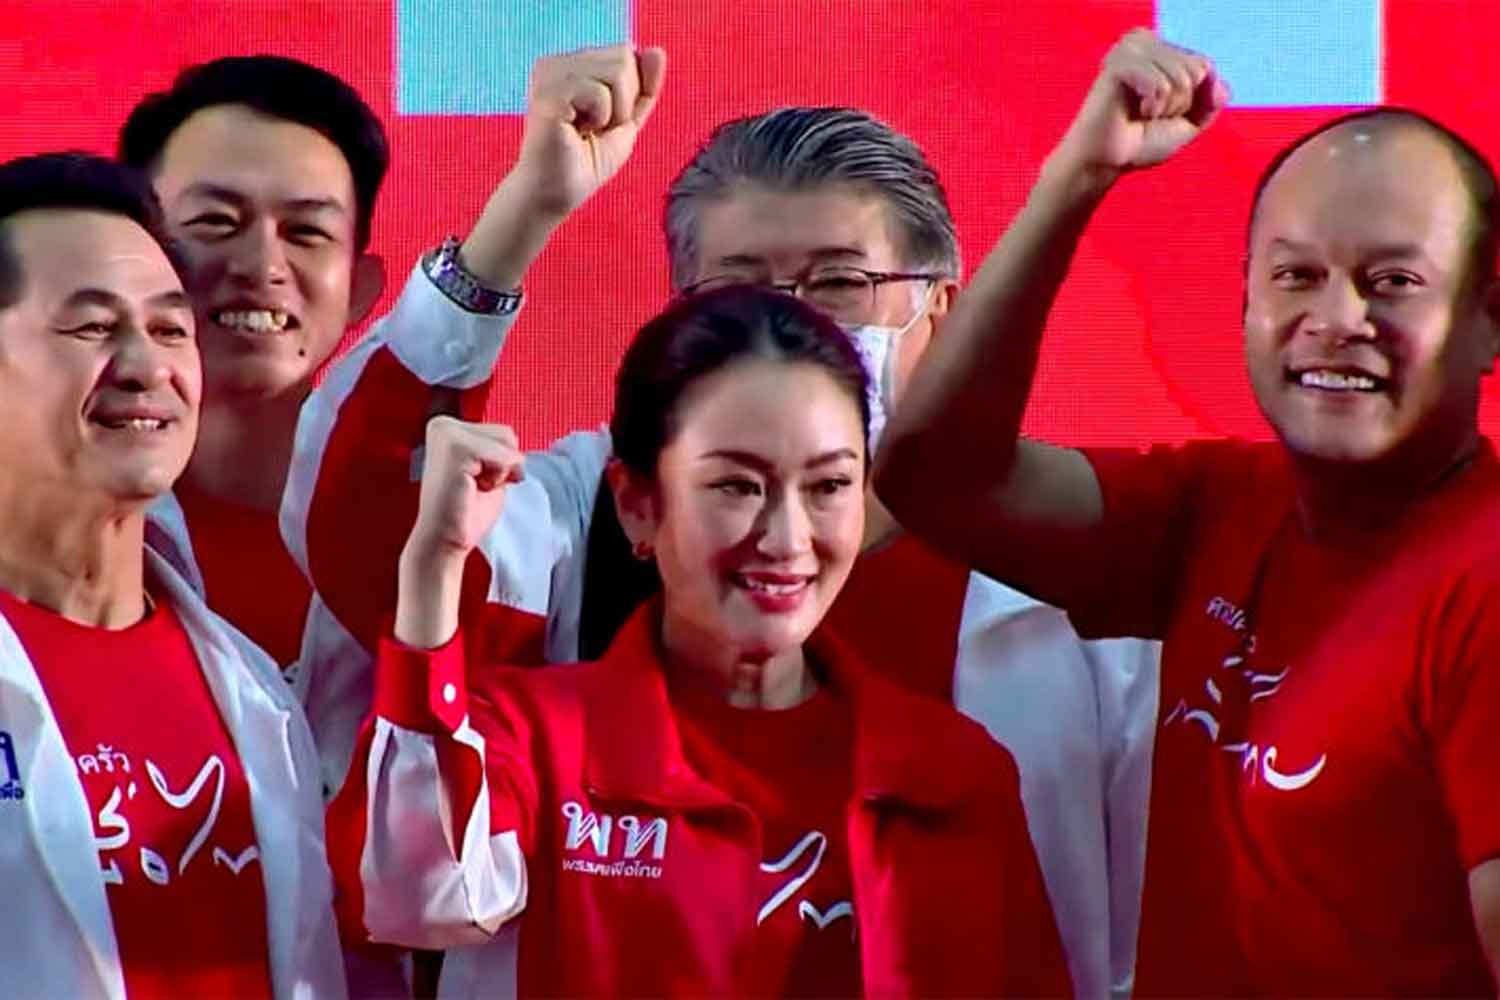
(639, 876)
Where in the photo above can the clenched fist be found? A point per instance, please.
(1150, 99)
(584, 112)
(464, 478)
(464, 475)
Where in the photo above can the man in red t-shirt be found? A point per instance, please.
(158, 784)
(1324, 817)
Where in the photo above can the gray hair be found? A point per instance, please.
(794, 149)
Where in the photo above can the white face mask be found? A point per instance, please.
(879, 347)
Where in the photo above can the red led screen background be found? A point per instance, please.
(1144, 343)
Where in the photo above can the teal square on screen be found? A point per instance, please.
(473, 57)
(1284, 53)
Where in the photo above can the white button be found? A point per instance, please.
(449, 693)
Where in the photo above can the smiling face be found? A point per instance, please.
(98, 364)
(264, 212)
(1365, 331)
(757, 509)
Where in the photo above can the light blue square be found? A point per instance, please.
(473, 57)
(1284, 53)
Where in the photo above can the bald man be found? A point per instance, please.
(1323, 815)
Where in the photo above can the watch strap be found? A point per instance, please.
(444, 269)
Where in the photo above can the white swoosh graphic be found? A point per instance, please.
(223, 857)
(1204, 719)
(1288, 782)
(837, 910)
(777, 867)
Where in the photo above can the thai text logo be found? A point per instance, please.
(596, 833)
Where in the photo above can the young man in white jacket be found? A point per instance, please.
(160, 805)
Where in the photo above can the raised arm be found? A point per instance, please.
(468, 469)
(427, 837)
(351, 495)
(584, 112)
(952, 465)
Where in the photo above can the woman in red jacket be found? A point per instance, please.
(726, 803)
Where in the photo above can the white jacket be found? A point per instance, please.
(56, 934)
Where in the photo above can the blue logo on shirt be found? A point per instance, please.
(12, 789)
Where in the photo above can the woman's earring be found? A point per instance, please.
(641, 550)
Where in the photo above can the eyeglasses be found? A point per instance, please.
(845, 293)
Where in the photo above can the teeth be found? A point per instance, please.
(1320, 379)
(254, 320)
(774, 589)
(135, 424)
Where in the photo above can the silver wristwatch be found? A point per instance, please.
(446, 271)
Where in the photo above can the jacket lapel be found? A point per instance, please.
(928, 870)
(634, 747)
(58, 817)
(167, 534)
(905, 746)
(260, 727)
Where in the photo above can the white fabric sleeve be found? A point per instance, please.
(567, 476)
(438, 342)
(423, 890)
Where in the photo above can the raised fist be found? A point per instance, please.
(1150, 99)
(583, 114)
(464, 475)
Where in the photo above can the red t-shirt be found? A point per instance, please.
(792, 769)
(248, 574)
(900, 611)
(177, 846)
(1326, 763)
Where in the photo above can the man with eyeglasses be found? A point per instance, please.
(852, 295)
(833, 206)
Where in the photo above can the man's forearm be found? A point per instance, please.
(962, 411)
(508, 236)
(584, 111)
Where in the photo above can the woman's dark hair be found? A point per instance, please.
(278, 87)
(695, 337)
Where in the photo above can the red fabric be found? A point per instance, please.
(793, 770)
(365, 501)
(948, 894)
(1326, 765)
(420, 689)
(900, 611)
(411, 691)
(137, 715)
(248, 574)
